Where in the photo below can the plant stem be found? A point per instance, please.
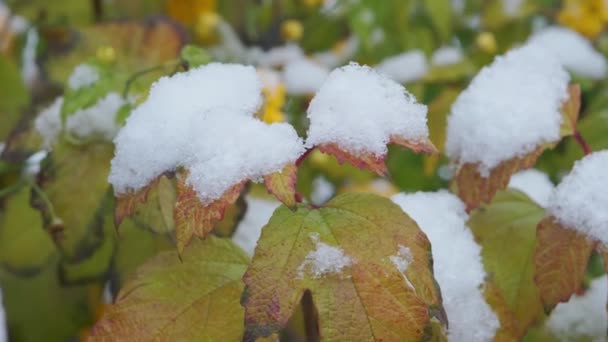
(45, 199)
(582, 142)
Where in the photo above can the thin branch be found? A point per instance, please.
(582, 142)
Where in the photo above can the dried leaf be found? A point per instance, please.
(570, 110)
(371, 232)
(196, 299)
(127, 204)
(194, 218)
(561, 259)
(282, 184)
(474, 189)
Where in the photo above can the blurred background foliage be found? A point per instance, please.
(57, 277)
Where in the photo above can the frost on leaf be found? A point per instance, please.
(511, 111)
(577, 222)
(204, 307)
(510, 220)
(341, 253)
(357, 112)
(203, 122)
(456, 262)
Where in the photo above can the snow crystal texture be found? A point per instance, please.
(324, 260)
(407, 67)
(304, 77)
(510, 108)
(581, 199)
(457, 263)
(573, 50)
(583, 315)
(256, 217)
(536, 184)
(202, 120)
(360, 111)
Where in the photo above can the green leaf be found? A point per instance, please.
(195, 56)
(156, 213)
(12, 97)
(360, 294)
(76, 187)
(440, 12)
(81, 98)
(195, 299)
(25, 248)
(510, 220)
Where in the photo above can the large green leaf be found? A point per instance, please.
(366, 263)
(506, 230)
(193, 299)
(24, 245)
(13, 95)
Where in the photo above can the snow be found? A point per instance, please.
(338, 56)
(83, 76)
(360, 110)
(29, 67)
(324, 260)
(512, 7)
(280, 56)
(48, 123)
(270, 78)
(3, 330)
(583, 315)
(573, 50)
(447, 55)
(456, 261)
(406, 67)
(322, 190)
(534, 183)
(510, 108)
(256, 217)
(32, 163)
(303, 77)
(202, 120)
(98, 120)
(402, 261)
(580, 200)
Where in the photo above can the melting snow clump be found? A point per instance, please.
(303, 77)
(256, 217)
(325, 259)
(83, 75)
(48, 122)
(447, 55)
(510, 108)
(580, 200)
(457, 263)
(407, 67)
(202, 120)
(574, 51)
(583, 315)
(360, 111)
(536, 184)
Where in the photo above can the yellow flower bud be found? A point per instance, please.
(486, 42)
(292, 30)
(106, 54)
(312, 3)
(206, 26)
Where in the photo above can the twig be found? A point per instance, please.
(582, 142)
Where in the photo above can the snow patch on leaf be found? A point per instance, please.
(457, 263)
(406, 67)
(83, 75)
(360, 111)
(534, 183)
(402, 261)
(303, 76)
(324, 260)
(580, 200)
(510, 109)
(202, 120)
(48, 122)
(573, 50)
(447, 55)
(583, 315)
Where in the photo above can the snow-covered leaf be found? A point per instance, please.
(195, 298)
(360, 252)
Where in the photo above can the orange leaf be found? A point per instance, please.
(571, 109)
(363, 161)
(128, 203)
(475, 189)
(194, 218)
(282, 184)
(508, 321)
(561, 259)
(425, 146)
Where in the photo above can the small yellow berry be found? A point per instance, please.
(106, 54)
(486, 42)
(292, 30)
(206, 26)
(312, 3)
